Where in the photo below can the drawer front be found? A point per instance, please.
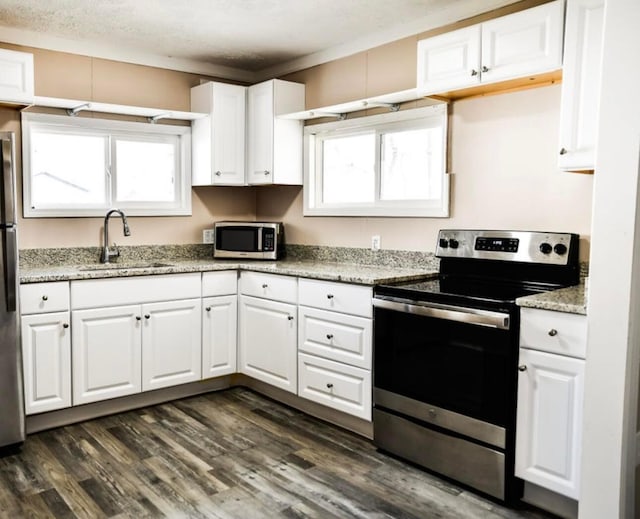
(554, 332)
(38, 298)
(337, 297)
(98, 293)
(219, 283)
(269, 286)
(336, 385)
(334, 336)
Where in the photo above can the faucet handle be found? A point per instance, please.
(116, 251)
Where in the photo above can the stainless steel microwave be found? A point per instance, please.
(248, 240)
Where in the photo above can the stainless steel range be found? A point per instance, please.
(446, 353)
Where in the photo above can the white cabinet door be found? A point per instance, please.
(46, 360)
(523, 43)
(171, 343)
(449, 61)
(581, 84)
(218, 140)
(16, 77)
(274, 144)
(106, 353)
(268, 342)
(549, 421)
(219, 333)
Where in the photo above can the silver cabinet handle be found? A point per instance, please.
(329, 336)
(522, 368)
(147, 316)
(218, 173)
(208, 308)
(329, 385)
(45, 298)
(290, 317)
(65, 325)
(267, 172)
(264, 285)
(138, 318)
(563, 151)
(484, 69)
(329, 296)
(474, 72)
(553, 332)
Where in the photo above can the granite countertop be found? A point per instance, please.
(570, 300)
(326, 270)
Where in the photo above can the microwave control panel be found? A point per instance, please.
(268, 240)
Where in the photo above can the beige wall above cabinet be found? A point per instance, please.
(513, 46)
(16, 77)
(581, 85)
(218, 140)
(274, 147)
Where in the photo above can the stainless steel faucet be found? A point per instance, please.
(107, 254)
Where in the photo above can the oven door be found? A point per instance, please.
(447, 358)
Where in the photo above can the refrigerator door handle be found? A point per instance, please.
(8, 189)
(10, 247)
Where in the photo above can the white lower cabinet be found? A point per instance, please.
(171, 343)
(107, 351)
(46, 358)
(219, 335)
(268, 341)
(550, 401)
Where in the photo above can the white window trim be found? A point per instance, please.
(180, 207)
(405, 208)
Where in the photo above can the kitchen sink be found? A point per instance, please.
(125, 266)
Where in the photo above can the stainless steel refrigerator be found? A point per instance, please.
(11, 389)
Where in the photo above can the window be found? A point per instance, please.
(77, 166)
(382, 165)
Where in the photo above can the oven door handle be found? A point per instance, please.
(452, 313)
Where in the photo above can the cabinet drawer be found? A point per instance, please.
(340, 337)
(269, 286)
(337, 297)
(336, 385)
(554, 332)
(219, 283)
(96, 293)
(38, 298)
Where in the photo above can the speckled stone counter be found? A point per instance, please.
(572, 300)
(330, 263)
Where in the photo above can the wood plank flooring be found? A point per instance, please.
(228, 454)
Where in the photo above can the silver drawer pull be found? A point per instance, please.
(138, 318)
(553, 332)
(474, 72)
(65, 325)
(522, 368)
(329, 336)
(484, 68)
(290, 317)
(329, 385)
(218, 173)
(208, 308)
(147, 316)
(329, 296)
(267, 172)
(264, 285)
(45, 298)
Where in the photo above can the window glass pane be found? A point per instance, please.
(412, 165)
(67, 169)
(146, 171)
(348, 169)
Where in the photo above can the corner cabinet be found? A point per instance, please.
(581, 85)
(16, 77)
(46, 346)
(274, 145)
(550, 400)
(218, 140)
(268, 329)
(513, 46)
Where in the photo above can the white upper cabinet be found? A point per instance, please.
(581, 85)
(16, 77)
(218, 140)
(509, 47)
(274, 147)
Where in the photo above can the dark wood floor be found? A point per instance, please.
(230, 454)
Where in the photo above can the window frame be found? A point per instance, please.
(434, 116)
(111, 130)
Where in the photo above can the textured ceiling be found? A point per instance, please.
(249, 35)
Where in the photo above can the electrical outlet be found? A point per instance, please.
(207, 236)
(375, 242)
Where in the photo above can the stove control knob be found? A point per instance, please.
(560, 248)
(444, 243)
(453, 243)
(545, 248)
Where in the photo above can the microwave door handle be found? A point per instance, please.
(260, 231)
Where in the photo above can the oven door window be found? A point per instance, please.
(461, 367)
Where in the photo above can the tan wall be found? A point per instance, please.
(79, 77)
